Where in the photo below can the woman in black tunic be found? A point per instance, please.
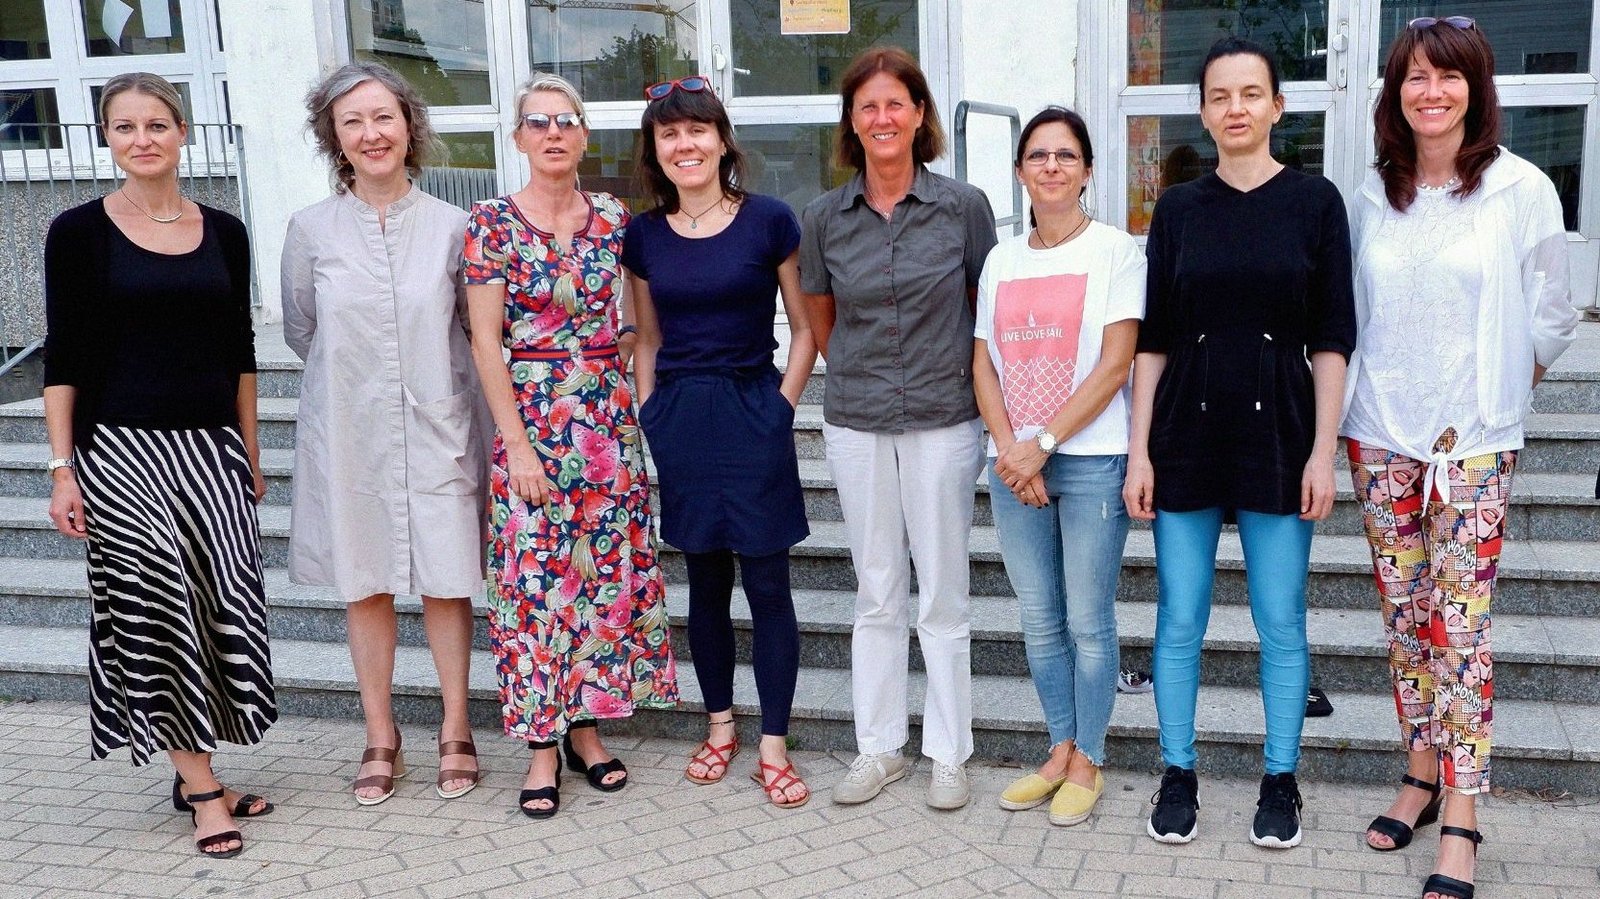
(152, 420)
(1249, 277)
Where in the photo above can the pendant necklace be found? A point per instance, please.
(1070, 234)
(873, 201)
(694, 220)
(155, 218)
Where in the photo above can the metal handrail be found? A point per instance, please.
(967, 107)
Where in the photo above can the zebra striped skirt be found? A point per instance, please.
(178, 653)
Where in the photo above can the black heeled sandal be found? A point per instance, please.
(1449, 886)
(1399, 831)
(241, 809)
(597, 772)
(551, 795)
(216, 839)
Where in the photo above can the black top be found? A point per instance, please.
(149, 339)
(1243, 287)
(715, 296)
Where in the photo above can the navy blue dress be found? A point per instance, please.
(718, 429)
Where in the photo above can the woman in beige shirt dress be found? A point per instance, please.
(390, 454)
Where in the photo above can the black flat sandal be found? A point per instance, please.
(1399, 831)
(548, 794)
(241, 809)
(216, 839)
(1449, 886)
(597, 772)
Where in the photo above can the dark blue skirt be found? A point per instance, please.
(723, 445)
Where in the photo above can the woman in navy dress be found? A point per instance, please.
(704, 268)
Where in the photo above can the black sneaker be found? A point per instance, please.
(1175, 818)
(1277, 824)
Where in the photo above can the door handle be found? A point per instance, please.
(1338, 43)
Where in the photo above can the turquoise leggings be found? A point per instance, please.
(1277, 552)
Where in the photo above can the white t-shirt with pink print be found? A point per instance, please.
(1044, 313)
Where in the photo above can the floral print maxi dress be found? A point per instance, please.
(577, 617)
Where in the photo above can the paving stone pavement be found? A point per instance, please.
(72, 827)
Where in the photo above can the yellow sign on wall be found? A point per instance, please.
(814, 16)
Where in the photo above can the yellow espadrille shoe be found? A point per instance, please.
(1029, 792)
(1073, 803)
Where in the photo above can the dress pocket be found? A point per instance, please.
(439, 456)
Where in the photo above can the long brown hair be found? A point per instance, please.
(1465, 50)
(687, 106)
(928, 144)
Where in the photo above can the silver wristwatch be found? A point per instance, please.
(54, 464)
(1046, 441)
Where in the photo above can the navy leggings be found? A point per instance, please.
(776, 649)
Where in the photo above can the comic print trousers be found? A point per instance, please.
(1436, 558)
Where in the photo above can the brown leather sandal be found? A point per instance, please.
(457, 747)
(204, 845)
(384, 782)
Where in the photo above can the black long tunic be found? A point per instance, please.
(1243, 287)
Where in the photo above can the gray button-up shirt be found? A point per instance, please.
(900, 356)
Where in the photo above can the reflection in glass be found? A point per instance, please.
(608, 165)
(611, 51)
(466, 174)
(1168, 150)
(1167, 39)
(1530, 37)
(23, 34)
(183, 97)
(23, 112)
(768, 63)
(791, 162)
(116, 27)
(1550, 137)
(440, 46)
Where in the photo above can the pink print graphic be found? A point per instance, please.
(1036, 323)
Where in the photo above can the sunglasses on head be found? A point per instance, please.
(1461, 22)
(538, 121)
(662, 89)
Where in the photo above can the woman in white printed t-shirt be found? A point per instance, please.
(1057, 320)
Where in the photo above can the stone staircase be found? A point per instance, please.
(1547, 632)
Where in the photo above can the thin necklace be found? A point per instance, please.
(155, 218)
(694, 220)
(874, 202)
(1070, 234)
(1450, 183)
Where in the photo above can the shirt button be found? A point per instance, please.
(901, 391)
(888, 302)
(893, 331)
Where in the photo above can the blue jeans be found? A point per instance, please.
(1063, 561)
(1277, 552)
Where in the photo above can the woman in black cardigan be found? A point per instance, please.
(150, 404)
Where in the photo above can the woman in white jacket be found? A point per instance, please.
(1460, 252)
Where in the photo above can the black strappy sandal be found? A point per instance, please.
(551, 795)
(1399, 831)
(216, 839)
(596, 773)
(1449, 886)
(241, 809)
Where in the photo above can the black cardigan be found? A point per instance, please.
(82, 316)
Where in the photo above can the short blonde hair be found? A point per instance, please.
(424, 144)
(145, 83)
(545, 81)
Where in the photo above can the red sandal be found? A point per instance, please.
(711, 757)
(781, 780)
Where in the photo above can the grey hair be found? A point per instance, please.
(546, 81)
(143, 83)
(423, 143)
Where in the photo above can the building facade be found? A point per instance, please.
(1128, 65)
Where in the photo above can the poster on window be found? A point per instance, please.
(814, 16)
(1144, 41)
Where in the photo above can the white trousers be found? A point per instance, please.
(901, 493)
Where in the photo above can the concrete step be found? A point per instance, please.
(23, 422)
(23, 471)
(1535, 657)
(1538, 744)
(1542, 577)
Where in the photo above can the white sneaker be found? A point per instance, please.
(867, 777)
(949, 788)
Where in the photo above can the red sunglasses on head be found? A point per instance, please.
(692, 83)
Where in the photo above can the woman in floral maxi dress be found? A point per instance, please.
(577, 618)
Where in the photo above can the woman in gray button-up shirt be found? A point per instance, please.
(890, 264)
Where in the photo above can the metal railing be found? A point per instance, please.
(46, 169)
(460, 186)
(963, 110)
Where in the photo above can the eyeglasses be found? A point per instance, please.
(1064, 158)
(538, 121)
(1461, 22)
(692, 83)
